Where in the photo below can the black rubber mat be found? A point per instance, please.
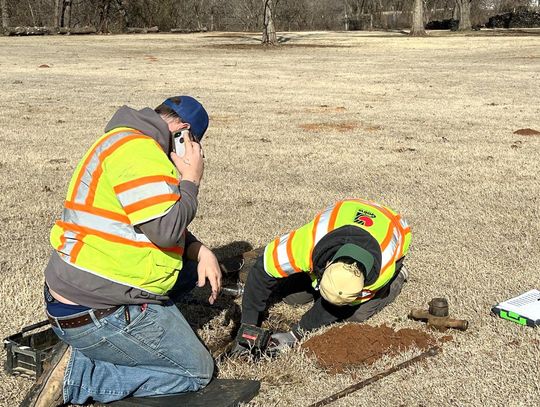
(219, 393)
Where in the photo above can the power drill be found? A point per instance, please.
(253, 337)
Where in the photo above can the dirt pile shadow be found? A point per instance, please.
(355, 344)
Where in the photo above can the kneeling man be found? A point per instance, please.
(349, 260)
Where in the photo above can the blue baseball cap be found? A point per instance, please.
(190, 111)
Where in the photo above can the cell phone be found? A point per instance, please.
(179, 145)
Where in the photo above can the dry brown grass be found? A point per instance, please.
(434, 140)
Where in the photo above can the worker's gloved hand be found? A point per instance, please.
(281, 341)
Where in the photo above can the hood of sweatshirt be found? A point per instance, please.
(147, 121)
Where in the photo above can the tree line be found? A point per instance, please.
(116, 16)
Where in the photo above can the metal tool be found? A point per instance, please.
(437, 317)
(235, 291)
(345, 392)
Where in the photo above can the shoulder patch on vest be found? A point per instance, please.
(364, 217)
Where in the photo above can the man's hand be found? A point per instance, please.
(208, 268)
(191, 165)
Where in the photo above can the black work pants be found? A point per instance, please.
(297, 290)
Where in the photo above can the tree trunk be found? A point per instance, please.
(269, 36)
(103, 24)
(56, 13)
(122, 9)
(32, 14)
(464, 8)
(5, 14)
(28, 31)
(345, 16)
(67, 14)
(417, 27)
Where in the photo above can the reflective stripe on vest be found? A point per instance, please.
(96, 233)
(131, 193)
(91, 170)
(287, 254)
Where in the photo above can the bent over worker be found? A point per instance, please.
(122, 253)
(349, 260)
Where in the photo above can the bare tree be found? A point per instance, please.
(269, 36)
(57, 13)
(64, 17)
(247, 15)
(122, 9)
(5, 14)
(464, 11)
(103, 24)
(417, 26)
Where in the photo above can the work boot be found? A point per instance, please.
(48, 390)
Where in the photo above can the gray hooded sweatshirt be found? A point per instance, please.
(92, 291)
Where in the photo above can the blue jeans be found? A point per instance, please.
(156, 353)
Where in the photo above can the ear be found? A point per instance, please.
(176, 125)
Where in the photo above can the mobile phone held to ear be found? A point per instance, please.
(179, 144)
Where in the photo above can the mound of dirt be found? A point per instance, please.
(356, 344)
(527, 132)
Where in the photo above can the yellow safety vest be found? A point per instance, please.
(293, 252)
(123, 180)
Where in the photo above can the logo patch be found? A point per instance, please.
(364, 218)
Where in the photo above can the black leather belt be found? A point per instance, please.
(81, 320)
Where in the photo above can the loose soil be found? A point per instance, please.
(527, 132)
(355, 344)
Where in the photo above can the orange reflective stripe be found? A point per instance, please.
(333, 216)
(144, 180)
(403, 231)
(145, 203)
(276, 260)
(387, 239)
(97, 211)
(116, 239)
(85, 164)
(390, 261)
(313, 236)
(97, 173)
(290, 253)
(62, 242)
(77, 247)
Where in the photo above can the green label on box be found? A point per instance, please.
(512, 316)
